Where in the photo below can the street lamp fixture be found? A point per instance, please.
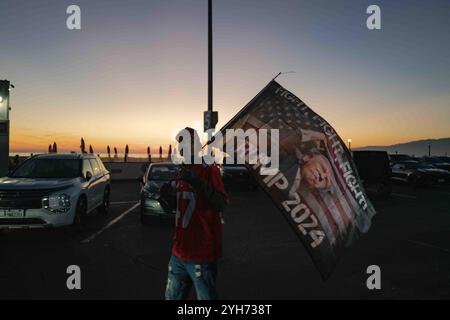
(349, 144)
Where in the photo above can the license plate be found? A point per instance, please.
(441, 180)
(14, 213)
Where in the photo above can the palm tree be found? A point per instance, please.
(126, 153)
(169, 156)
(50, 150)
(149, 155)
(82, 146)
(55, 147)
(160, 152)
(91, 150)
(115, 153)
(108, 149)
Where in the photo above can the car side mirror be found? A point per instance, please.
(88, 176)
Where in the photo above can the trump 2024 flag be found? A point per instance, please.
(316, 186)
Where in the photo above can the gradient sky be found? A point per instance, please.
(137, 70)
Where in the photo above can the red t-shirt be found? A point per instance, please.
(198, 230)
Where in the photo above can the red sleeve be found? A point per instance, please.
(216, 180)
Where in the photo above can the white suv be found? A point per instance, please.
(53, 190)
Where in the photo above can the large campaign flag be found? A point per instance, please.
(316, 186)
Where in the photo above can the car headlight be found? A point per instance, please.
(56, 203)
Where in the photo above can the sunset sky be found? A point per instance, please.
(137, 70)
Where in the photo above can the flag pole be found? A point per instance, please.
(279, 73)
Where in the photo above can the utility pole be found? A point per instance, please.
(210, 58)
(210, 117)
(4, 126)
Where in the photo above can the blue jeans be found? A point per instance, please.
(184, 274)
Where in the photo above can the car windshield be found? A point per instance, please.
(163, 173)
(48, 169)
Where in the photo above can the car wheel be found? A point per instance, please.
(81, 211)
(104, 208)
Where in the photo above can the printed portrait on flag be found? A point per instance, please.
(316, 187)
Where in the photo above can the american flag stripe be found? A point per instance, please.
(334, 211)
(326, 212)
(349, 200)
(360, 222)
(315, 207)
(341, 211)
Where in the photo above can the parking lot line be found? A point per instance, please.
(400, 195)
(429, 245)
(112, 222)
(122, 202)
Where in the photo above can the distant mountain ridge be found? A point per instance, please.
(439, 147)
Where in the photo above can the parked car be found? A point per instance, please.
(445, 159)
(158, 175)
(53, 190)
(375, 172)
(437, 162)
(395, 158)
(419, 174)
(237, 176)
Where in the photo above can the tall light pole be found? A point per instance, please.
(350, 144)
(4, 126)
(210, 57)
(210, 117)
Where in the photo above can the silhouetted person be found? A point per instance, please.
(14, 163)
(82, 146)
(126, 153)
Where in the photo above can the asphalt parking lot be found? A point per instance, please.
(122, 259)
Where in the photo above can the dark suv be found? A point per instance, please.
(375, 172)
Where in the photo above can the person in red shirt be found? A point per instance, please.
(197, 243)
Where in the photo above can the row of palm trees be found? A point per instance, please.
(53, 148)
